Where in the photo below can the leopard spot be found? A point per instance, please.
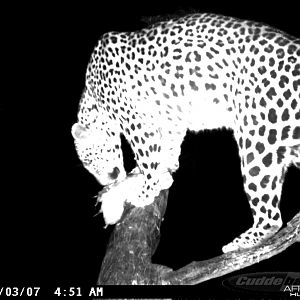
(283, 81)
(265, 181)
(262, 130)
(267, 160)
(287, 94)
(252, 187)
(263, 209)
(248, 143)
(285, 132)
(296, 132)
(250, 158)
(272, 116)
(254, 171)
(267, 226)
(276, 217)
(255, 201)
(274, 183)
(285, 115)
(193, 85)
(265, 198)
(271, 92)
(280, 154)
(272, 136)
(260, 147)
(275, 201)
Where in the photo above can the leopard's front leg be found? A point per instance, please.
(156, 152)
(145, 182)
(137, 189)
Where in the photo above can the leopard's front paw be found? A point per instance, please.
(114, 196)
(165, 180)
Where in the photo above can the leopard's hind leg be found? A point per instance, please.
(263, 172)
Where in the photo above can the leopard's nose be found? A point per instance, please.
(114, 174)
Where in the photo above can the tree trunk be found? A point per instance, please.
(135, 239)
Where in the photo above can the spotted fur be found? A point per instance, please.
(200, 71)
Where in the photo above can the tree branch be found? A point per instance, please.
(136, 237)
(197, 272)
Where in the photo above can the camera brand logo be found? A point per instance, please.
(267, 282)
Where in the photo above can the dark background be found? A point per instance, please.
(48, 229)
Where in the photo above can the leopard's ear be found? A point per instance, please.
(79, 132)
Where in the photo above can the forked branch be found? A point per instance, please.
(136, 237)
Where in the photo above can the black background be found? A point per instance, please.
(48, 230)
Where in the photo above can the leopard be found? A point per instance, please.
(196, 72)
